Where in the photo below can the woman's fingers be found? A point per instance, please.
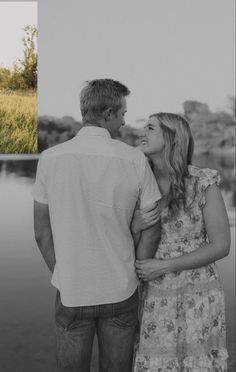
(154, 221)
(149, 216)
(141, 275)
(150, 211)
(149, 221)
(138, 265)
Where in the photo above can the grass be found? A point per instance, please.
(18, 122)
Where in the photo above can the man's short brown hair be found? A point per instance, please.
(99, 95)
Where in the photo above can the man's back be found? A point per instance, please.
(92, 184)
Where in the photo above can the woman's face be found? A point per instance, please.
(152, 141)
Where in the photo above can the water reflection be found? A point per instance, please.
(24, 276)
(26, 168)
(225, 165)
(19, 168)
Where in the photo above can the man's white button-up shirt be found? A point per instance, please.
(91, 185)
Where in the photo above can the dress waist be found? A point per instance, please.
(171, 248)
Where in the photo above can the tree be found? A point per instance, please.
(29, 61)
(23, 75)
(4, 77)
(232, 106)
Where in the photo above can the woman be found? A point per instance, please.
(183, 318)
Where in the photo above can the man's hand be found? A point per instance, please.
(151, 268)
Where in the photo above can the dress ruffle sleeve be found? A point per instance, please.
(207, 177)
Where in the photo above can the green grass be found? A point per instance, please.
(18, 123)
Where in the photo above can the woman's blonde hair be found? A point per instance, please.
(178, 152)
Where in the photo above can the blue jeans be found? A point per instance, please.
(115, 325)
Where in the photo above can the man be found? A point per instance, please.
(85, 195)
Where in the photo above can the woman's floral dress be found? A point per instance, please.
(183, 313)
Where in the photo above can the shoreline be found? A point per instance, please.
(219, 153)
(19, 156)
(199, 150)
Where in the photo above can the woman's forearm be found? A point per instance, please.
(148, 242)
(205, 255)
(146, 248)
(136, 238)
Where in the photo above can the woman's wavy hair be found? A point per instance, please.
(178, 152)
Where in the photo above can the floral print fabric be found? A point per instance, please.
(182, 313)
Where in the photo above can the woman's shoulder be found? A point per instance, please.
(200, 180)
(204, 175)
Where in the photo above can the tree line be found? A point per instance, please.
(23, 75)
(52, 131)
(210, 129)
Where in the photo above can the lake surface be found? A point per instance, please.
(26, 296)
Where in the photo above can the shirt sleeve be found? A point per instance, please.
(149, 191)
(39, 188)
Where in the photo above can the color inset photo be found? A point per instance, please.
(18, 77)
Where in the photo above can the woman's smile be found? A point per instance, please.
(144, 141)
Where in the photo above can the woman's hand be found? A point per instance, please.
(151, 268)
(145, 218)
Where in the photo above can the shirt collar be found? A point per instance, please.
(93, 131)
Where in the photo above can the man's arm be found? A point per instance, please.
(43, 234)
(149, 241)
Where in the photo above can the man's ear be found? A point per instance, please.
(107, 114)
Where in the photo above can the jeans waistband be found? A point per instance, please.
(94, 311)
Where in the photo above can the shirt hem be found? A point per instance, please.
(39, 200)
(95, 303)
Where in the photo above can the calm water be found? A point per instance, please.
(27, 298)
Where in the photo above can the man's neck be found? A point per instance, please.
(93, 124)
(99, 124)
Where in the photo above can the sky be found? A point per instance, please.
(165, 51)
(14, 16)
